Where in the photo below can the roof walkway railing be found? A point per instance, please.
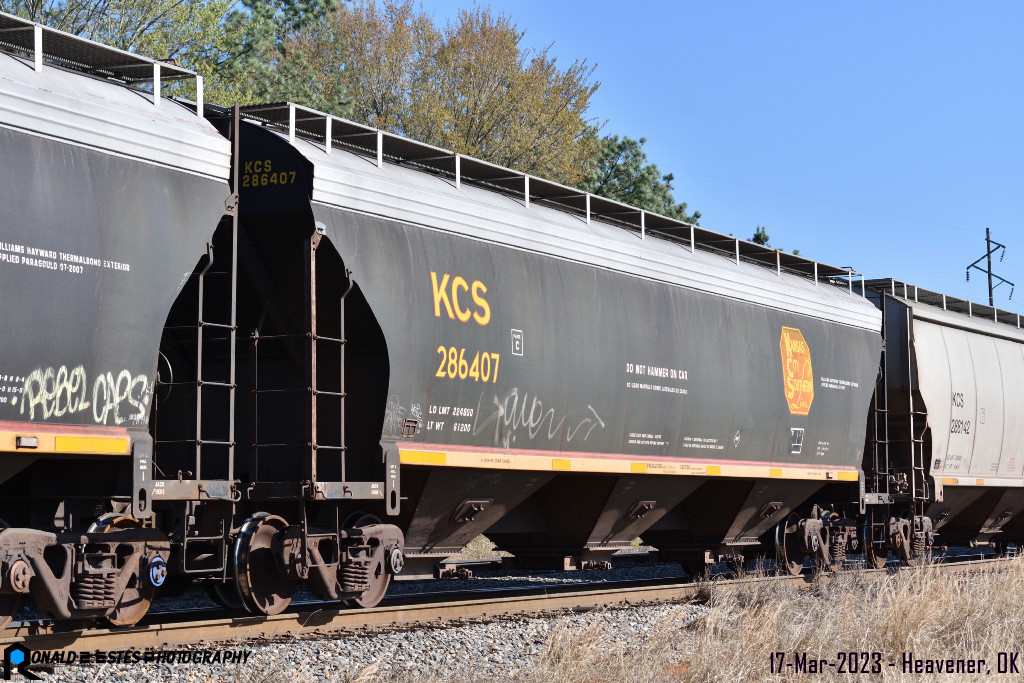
(335, 133)
(919, 295)
(44, 46)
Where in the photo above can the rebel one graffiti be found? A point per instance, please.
(112, 398)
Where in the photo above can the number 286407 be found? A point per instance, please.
(456, 363)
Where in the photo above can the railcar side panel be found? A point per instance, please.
(485, 353)
(652, 397)
(988, 419)
(93, 250)
(936, 385)
(601, 324)
(1011, 365)
(974, 414)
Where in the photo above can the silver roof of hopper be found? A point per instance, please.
(367, 170)
(951, 310)
(47, 46)
(60, 86)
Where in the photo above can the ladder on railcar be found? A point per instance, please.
(206, 456)
(322, 430)
(897, 469)
(317, 441)
(878, 476)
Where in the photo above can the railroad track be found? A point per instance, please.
(307, 620)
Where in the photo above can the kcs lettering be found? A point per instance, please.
(452, 292)
(262, 166)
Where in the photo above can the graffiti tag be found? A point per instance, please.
(518, 412)
(114, 398)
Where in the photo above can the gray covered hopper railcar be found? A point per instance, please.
(562, 372)
(950, 425)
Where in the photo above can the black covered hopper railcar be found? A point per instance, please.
(267, 346)
(557, 379)
(108, 200)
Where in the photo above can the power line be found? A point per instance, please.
(917, 278)
(866, 272)
(990, 250)
(835, 239)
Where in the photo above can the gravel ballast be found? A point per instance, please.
(491, 650)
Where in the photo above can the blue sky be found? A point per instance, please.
(883, 136)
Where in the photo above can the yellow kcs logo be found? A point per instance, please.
(449, 296)
(797, 372)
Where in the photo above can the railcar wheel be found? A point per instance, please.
(360, 519)
(261, 587)
(911, 550)
(914, 554)
(874, 558)
(787, 545)
(224, 594)
(10, 603)
(138, 595)
(134, 602)
(911, 561)
(380, 579)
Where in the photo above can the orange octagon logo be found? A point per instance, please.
(797, 371)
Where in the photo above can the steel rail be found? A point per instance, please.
(407, 611)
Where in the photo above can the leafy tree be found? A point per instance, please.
(361, 59)
(237, 47)
(260, 63)
(622, 173)
(165, 29)
(492, 98)
(761, 237)
(471, 86)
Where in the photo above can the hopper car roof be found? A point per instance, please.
(951, 311)
(975, 354)
(378, 173)
(81, 92)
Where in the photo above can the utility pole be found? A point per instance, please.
(991, 247)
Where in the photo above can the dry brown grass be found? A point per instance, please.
(934, 614)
